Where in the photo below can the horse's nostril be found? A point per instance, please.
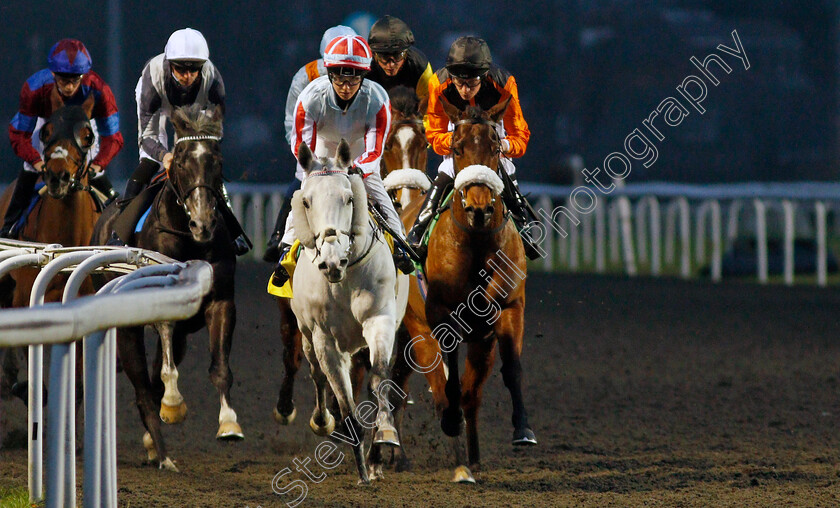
(322, 265)
(469, 209)
(343, 262)
(193, 224)
(65, 176)
(489, 210)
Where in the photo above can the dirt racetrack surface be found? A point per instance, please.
(641, 393)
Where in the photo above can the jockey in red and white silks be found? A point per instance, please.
(321, 122)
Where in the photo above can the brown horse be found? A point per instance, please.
(184, 223)
(65, 213)
(476, 290)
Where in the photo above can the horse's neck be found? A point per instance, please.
(67, 221)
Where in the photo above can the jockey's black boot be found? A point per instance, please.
(272, 247)
(402, 261)
(415, 236)
(522, 215)
(21, 197)
(132, 189)
(280, 275)
(141, 177)
(103, 185)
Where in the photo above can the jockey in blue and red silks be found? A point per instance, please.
(69, 73)
(344, 105)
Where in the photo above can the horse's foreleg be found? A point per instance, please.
(379, 335)
(336, 367)
(11, 369)
(322, 422)
(284, 411)
(132, 353)
(173, 409)
(480, 357)
(220, 317)
(509, 330)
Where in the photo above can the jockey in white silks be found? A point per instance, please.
(343, 105)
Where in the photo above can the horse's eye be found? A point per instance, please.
(305, 203)
(456, 151)
(350, 200)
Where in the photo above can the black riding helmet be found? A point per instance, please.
(468, 57)
(390, 35)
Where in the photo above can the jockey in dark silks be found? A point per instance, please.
(69, 72)
(395, 59)
(180, 76)
(471, 79)
(305, 75)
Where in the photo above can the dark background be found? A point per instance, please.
(588, 72)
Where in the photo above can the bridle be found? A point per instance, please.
(81, 164)
(182, 195)
(350, 234)
(497, 151)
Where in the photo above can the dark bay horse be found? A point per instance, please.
(65, 214)
(184, 224)
(476, 275)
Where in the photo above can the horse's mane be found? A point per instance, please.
(197, 122)
(404, 100)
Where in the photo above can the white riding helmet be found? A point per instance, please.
(332, 33)
(187, 44)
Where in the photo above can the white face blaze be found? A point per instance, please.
(59, 153)
(405, 135)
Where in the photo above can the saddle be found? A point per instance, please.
(131, 218)
(289, 262)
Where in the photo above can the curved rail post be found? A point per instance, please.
(710, 208)
(548, 243)
(600, 239)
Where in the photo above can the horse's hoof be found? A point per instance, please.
(173, 414)
(284, 419)
(230, 431)
(375, 472)
(168, 465)
(386, 437)
(149, 445)
(409, 400)
(524, 437)
(327, 429)
(463, 475)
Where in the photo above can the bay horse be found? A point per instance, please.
(348, 296)
(403, 169)
(65, 213)
(184, 223)
(476, 274)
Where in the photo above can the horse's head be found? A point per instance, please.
(196, 170)
(405, 153)
(476, 148)
(330, 209)
(66, 137)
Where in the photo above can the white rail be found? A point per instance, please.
(152, 293)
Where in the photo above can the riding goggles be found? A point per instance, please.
(389, 58)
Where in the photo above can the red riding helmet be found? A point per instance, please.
(348, 51)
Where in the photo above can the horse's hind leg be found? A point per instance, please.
(173, 409)
(132, 352)
(480, 357)
(509, 331)
(284, 411)
(220, 317)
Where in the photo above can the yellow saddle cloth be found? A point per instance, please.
(289, 262)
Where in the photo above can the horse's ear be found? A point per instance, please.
(218, 114)
(88, 105)
(423, 106)
(301, 221)
(498, 111)
(451, 111)
(56, 102)
(360, 211)
(304, 156)
(179, 120)
(342, 154)
(45, 132)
